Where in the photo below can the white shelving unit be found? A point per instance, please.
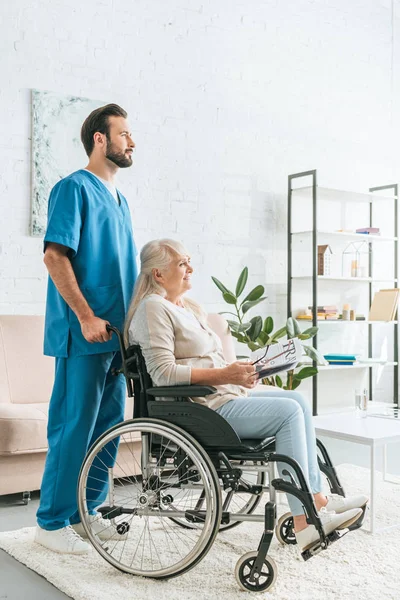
(337, 231)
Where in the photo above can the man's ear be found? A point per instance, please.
(98, 138)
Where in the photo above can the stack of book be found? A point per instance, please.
(328, 313)
(369, 230)
(340, 359)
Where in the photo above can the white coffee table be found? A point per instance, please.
(371, 431)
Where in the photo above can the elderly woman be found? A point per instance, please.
(180, 349)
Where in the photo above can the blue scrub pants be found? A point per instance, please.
(86, 401)
(287, 416)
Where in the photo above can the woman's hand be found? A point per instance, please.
(240, 373)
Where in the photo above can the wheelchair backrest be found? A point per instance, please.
(137, 372)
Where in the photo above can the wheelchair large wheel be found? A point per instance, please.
(241, 502)
(148, 465)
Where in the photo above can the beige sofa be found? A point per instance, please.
(26, 378)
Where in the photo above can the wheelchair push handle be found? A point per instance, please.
(112, 329)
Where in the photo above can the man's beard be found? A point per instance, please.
(121, 159)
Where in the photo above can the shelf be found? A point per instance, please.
(354, 279)
(355, 366)
(338, 195)
(351, 210)
(349, 236)
(342, 322)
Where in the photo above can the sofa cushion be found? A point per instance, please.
(23, 427)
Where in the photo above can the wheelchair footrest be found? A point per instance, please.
(318, 546)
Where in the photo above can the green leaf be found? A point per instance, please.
(238, 327)
(241, 283)
(268, 325)
(295, 383)
(314, 354)
(233, 325)
(221, 286)
(240, 338)
(255, 294)
(290, 328)
(278, 380)
(229, 298)
(253, 346)
(248, 305)
(310, 332)
(306, 372)
(296, 326)
(225, 312)
(263, 337)
(255, 329)
(279, 333)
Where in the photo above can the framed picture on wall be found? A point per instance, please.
(56, 146)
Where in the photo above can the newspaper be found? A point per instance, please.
(277, 358)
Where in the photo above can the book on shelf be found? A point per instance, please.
(384, 305)
(340, 359)
(277, 358)
(369, 230)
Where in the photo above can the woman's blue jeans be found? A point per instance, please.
(287, 416)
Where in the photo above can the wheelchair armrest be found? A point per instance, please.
(182, 391)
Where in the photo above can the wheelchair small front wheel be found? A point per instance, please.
(263, 581)
(284, 529)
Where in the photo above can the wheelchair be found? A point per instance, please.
(178, 474)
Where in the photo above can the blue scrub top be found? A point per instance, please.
(84, 216)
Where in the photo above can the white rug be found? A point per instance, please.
(358, 567)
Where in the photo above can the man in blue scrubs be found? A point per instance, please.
(91, 259)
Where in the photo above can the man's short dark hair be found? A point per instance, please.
(97, 121)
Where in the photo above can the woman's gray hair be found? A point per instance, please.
(156, 254)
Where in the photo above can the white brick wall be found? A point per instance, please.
(225, 99)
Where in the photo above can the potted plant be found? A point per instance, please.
(258, 333)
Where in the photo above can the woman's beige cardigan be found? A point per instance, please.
(173, 341)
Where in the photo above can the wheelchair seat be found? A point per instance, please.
(208, 427)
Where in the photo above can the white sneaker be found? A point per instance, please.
(64, 540)
(104, 529)
(339, 504)
(330, 521)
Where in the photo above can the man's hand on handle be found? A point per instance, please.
(94, 330)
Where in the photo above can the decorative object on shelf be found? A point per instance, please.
(369, 231)
(352, 315)
(324, 259)
(346, 312)
(355, 259)
(340, 359)
(257, 333)
(384, 305)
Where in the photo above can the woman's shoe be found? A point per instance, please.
(330, 521)
(339, 504)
